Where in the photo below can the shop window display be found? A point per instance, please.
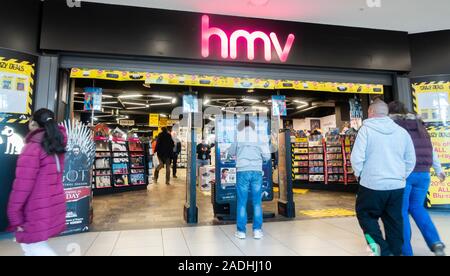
(325, 159)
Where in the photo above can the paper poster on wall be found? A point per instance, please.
(16, 79)
(153, 120)
(439, 193)
(431, 101)
(279, 106)
(315, 124)
(77, 179)
(92, 99)
(190, 104)
(227, 177)
(356, 113)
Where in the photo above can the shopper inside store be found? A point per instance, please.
(224, 130)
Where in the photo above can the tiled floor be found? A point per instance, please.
(161, 206)
(321, 237)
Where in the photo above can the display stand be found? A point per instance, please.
(120, 166)
(335, 164)
(224, 196)
(323, 163)
(286, 204)
(348, 142)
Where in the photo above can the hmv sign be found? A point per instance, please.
(228, 46)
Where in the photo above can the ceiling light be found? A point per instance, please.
(207, 101)
(159, 104)
(174, 100)
(112, 107)
(107, 96)
(163, 115)
(310, 108)
(109, 102)
(262, 108)
(147, 85)
(162, 97)
(300, 102)
(131, 96)
(136, 107)
(250, 100)
(251, 91)
(131, 103)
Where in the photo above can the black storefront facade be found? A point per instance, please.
(138, 39)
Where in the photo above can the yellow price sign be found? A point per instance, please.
(153, 120)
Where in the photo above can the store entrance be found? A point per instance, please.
(133, 114)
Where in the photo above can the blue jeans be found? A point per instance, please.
(416, 190)
(201, 163)
(245, 181)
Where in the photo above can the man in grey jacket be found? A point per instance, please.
(251, 152)
(383, 157)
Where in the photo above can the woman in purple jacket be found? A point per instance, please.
(37, 204)
(418, 183)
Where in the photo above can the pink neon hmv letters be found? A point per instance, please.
(229, 45)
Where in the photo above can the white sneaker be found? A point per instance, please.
(240, 235)
(258, 234)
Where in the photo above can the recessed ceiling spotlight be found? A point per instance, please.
(250, 100)
(258, 2)
(251, 91)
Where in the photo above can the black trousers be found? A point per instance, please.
(175, 164)
(371, 206)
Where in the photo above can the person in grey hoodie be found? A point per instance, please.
(383, 157)
(251, 152)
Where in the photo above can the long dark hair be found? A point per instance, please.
(397, 107)
(53, 142)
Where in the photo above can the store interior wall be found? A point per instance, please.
(326, 123)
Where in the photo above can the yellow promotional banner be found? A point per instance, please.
(228, 82)
(439, 193)
(432, 87)
(16, 86)
(78, 73)
(153, 120)
(431, 102)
